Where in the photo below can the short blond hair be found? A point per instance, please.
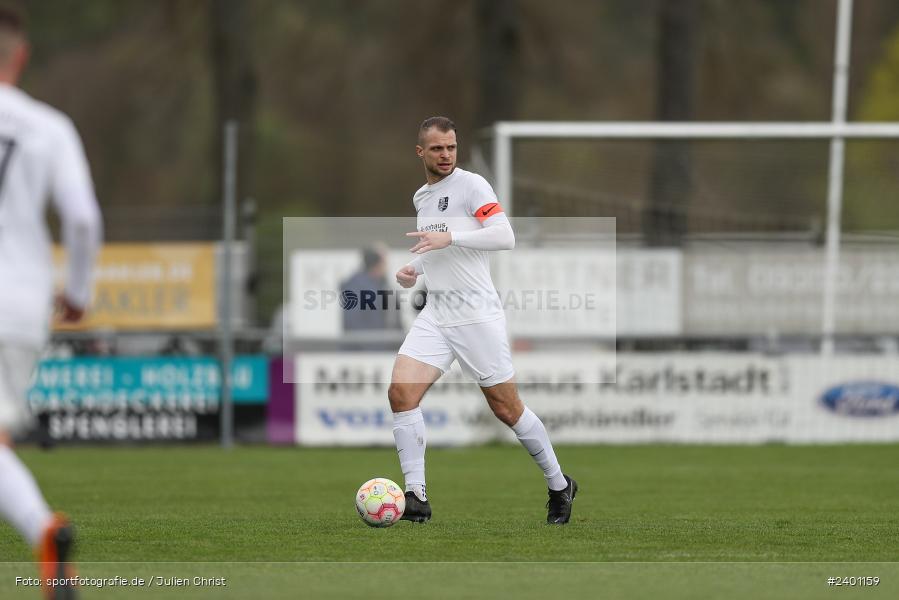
(443, 124)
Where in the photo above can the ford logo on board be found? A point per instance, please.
(862, 399)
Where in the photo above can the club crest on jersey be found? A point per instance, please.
(442, 203)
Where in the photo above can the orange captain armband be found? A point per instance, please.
(487, 211)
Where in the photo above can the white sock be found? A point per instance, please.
(418, 490)
(409, 435)
(21, 502)
(532, 435)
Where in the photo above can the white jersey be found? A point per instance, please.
(460, 290)
(41, 156)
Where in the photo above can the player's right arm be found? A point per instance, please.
(82, 228)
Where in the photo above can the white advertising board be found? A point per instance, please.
(686, 398)
(649, 292)
(757, 291)
(550, 292)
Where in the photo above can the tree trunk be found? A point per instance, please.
(498, 40)
(235, 87)
(665, 221)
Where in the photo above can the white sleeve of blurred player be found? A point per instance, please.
(75, 202)
(496, 230)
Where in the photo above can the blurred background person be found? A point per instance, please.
(371, 313)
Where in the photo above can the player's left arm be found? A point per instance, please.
(496, 230)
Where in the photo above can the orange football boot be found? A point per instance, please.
(53, 559)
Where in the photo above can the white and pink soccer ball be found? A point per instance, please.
(380, 502)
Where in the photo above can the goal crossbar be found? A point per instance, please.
(693, 130)
(836, 131)
(505, 132)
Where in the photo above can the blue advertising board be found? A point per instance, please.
(141, 399)
(192, 383)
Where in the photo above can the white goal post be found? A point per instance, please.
(837, 131)
(506, 132)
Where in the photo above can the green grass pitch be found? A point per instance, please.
(649, 521)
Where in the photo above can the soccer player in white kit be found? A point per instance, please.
(459, 221)
(40, 155)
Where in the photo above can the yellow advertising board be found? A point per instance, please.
(149, 286)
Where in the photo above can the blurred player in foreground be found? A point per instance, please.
(459, 221)
(40, 156)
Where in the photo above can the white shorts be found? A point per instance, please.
(482, 349)
(17, 364)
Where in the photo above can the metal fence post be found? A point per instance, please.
(226, 335)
